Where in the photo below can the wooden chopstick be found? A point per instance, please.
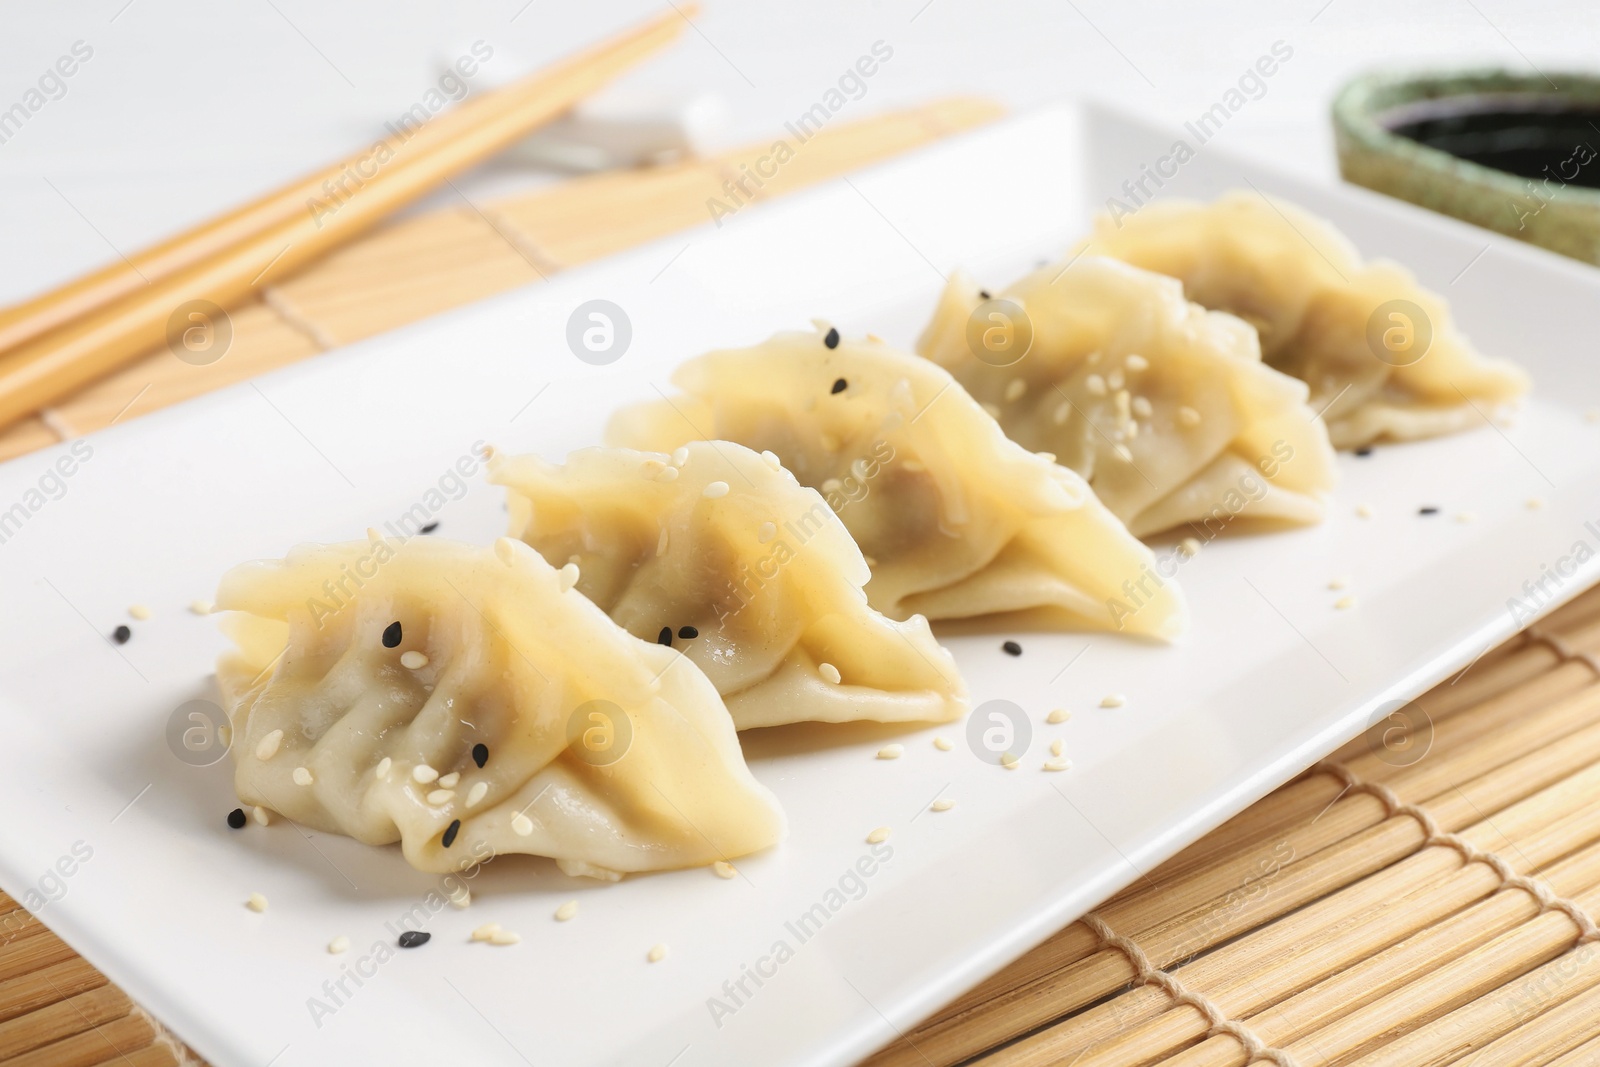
(113, 316)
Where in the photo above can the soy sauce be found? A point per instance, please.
(1528, 135)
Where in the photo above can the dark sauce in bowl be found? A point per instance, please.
(1534, 136)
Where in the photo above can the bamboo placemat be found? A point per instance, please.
(1421, 898)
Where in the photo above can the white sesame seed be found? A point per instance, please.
(1048, 457)
(1055, 747)
(449, 781)
(381, 771)
(460, 897)
(943, 744)
(1123, 453)
(1338, 583)
(1058, 716)
(440, 796)
(301, 776)
(338, 945)
(832, 485)
(485, 932)
(1188, 416)
(942, 804)
(657, 953)
(202, 607)
(566, 911)
(267, 747)
(1059, 416)
(772, 460)
(1364, 511)
(1190, 547)
(891, 751)
(568, 576)
(668, 474)
(521, 824)
(476, 794)
(504, 937)
(413, 660)
(878, 836)
(1141, 407)
(1015, 388)
(829, 672)
(1344, 603)
(992, 409)
(1057, 764)
(422, 774)
(713, 490)
(1008, 760)
(767, 532)
(680, 455)
(256, 902)
(1113, 700)
(139, 611)
(723, 869)
(1535, 503)
(870, 561)
(661, 542)
(1095, 384)
(1465, 516)
(261, 815)
(1136, 363)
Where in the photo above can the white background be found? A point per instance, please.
(189, 106)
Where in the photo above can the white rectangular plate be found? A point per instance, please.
(1271, 677)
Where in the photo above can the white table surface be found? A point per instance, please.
(189, 106)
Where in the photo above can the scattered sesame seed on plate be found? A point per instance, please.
(1535, 503)
(460, 897)
(566, 911)
(1338, 583)
(236, 819)
(449, 781)
(1364, 511)
(485, 932)
(1465, 516)
(1344, 603)
(262, 816)
(381, 771)
(723, 869)
(943, 744)
(504, 937)
(476, 794)
(891, 751)
(338, 945)
(121, 634)
(256, 902)
(1011, 648)
(713, 490)
(521, 824)
(1427, 509)
(1014, 389)
(440, 796)
(1190, 547)
(1058, 716)
(267, 747)
(202, 607)
(414, 938)
(657, 953)
(413, 660)
(1057, 764)
(829, 672)
(878, 836)
(1113, 700)
(139, 611)
(1055, 747)
(302, 776)
(1136, 362)
(942, 804)
(1009, 760)
(422, 774)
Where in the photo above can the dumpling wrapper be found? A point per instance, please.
(1305, 288)
(955, 519)
(514, 661)
(1164, 407)
(726, 541)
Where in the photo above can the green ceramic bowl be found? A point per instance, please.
(1552, 135)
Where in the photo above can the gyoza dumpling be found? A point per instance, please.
(467, 701)
(1323, 314)
(1163, 406)
(721, 554)
(955, 519)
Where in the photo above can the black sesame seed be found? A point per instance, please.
(665, 636)
(1363, 452)
(1429, 510)
(840, 386)
(450, 833)
(391, 635)
(414, 938)
(687, 632)
(236, 818)
(983, 294)
(480, 754)
(832, 338)
(432, 526)
(1011, 648)
(121, 634)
